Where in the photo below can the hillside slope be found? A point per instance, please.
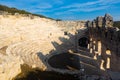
(15, 10)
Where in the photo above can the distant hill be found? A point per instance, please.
(116, 24)
(15, 10)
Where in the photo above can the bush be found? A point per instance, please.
(117, 24)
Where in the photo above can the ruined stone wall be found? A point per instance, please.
(74, 30)
(71, 25)
(107, 42)
(29, 39)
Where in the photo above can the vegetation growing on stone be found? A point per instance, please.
(58, 20)
(117, 24)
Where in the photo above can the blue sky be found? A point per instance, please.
(68, 9)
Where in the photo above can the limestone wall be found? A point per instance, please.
(103, 32)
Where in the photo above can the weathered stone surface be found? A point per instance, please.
(108, 20)
(89, 23)
(94, 23)
(9, 67)
(109, 38)
(30, 39)
(99, 21)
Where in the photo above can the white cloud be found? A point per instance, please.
(78, 5)
(58, 1)
(44, 6)
(98, 2)
(91, 9)
(109, 2)
(40, 8)
(63, 12)
(87, 7)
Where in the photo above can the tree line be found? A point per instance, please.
(117, 24)
(15, 10)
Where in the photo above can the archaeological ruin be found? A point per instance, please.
(88, 49)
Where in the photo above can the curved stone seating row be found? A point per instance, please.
(28, 50)
(90, 65)
(90, 69)
(85, 52)
(7, 40)
(88, 60)
(7, 65)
